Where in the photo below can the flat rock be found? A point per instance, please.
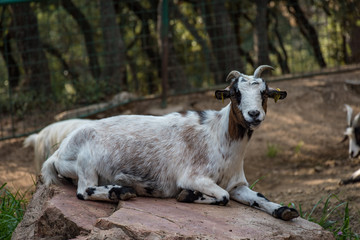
(56, 213)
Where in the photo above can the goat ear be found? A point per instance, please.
(276, 94)
(222, 94)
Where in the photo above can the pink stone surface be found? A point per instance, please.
(56, 213)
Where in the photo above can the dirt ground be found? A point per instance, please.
(305, 129)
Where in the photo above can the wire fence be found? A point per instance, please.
(61, 55)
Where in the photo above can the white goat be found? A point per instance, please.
(48, 140)
(353, 134)
(196, 156)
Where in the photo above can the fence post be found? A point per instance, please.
(164, 29)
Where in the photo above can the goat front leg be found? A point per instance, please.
(245, 195)
(202, 190)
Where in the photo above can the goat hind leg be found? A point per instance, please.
(112, 193)
(88, 188)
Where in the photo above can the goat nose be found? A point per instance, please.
(254, 113)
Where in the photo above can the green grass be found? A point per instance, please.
(12, 209)
(272, 150)
(298, 147)
(332, 217)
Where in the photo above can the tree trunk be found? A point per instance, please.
(261, 33)
(114, 57)
(208, 54)
(355, 44)
(222, 38)
(88, 33)
(282, 57)
(11, 64)
(25, 31)
(307, 30)
(148, 43)
(67, 70)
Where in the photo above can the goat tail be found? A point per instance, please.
(30, 140)
(49, 173)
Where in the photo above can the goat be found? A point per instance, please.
(194, 156)
(47, 141)
(352, 133)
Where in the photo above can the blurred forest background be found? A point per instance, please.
(58, 55)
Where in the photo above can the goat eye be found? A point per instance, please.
(254, 83)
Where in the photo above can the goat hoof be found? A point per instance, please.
(285, 213)
(122, 193)
(80, 196)
(224, 201)
(189, 196)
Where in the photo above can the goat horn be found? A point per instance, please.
(349, 111)
(356, 121)
(232, 75)
(260, 69)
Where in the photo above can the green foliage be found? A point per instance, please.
(326, 214)
(252, 186)
(272, 150)
(12, 209)
(298, 147)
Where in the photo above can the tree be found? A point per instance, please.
(114, 57)
(26, 33)
(7, 53)
(307, 30)
(148, 42)
(261, 33)
(282, 57)
(88, 33)
(222, 38)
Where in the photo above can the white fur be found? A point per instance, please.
(354, 146)
(161, 156)
(250, 89)
(47, 141)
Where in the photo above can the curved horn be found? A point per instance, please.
(349, 112)
(356, 122)
(260, 69)
(232, 75)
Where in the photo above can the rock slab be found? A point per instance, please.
(56, 213)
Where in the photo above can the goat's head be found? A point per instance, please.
(248, 95)
(352, 132)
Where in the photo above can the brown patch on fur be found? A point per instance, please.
(237, 123)
(264, 104)
(196, 147)
(183, 113)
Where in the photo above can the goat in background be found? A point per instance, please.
(196, 156)
(48, 140)
(352, 133)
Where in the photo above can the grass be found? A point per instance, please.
(332, 217)
(327, 214)
(298, 147)
(272, 150)
(12, 209)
